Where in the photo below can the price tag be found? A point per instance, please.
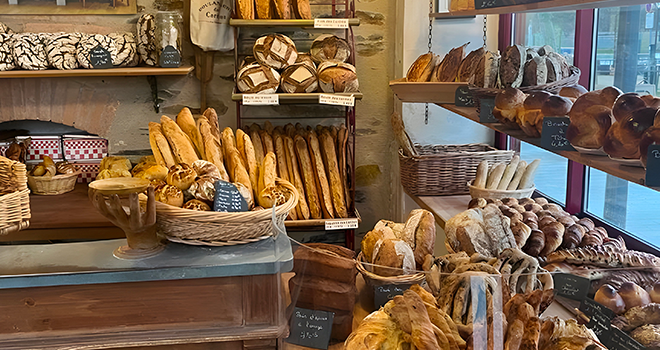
(571, 286)
(169, 57)
(337, 100)
(600, 317)
(341, 224)
(261, 99)
(619, 340)
(228, 198)
(385, 293)
(589, 307)
(486, 110)
(331, 23)
(553, 135)
(311, 328)
(100, 58)
(653, 166)
(463, 97)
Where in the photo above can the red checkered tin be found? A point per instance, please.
(84, 147)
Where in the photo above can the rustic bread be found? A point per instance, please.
(487, 70)
(447, 70)
(422, 68)
(469, 64)
(299, 78)
(536, 72)
(328, 47)
(337, 77)
(512, 66)
(256, 78)
(276, 51)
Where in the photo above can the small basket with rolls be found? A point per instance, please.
(14, 197)
(48, 178)
(514, 179)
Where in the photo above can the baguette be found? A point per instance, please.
(258, 147)
(495, 177)
(240, 145)
(302, 209)
(307, 172)
(280, 153)
(245, 9)
(180, 144)
(509, 172)
(267, 176)
(520, 171)
(228, 143)
(251, 161)
(334, 131)
(268, 126)
(342, 141)
(290, 130)
(212, 148)
(159, 146)
(319, 173)
(212, 117)
(332, 168)
(267, 141)
(482, 175)
(528, 177)
(237, 171)
(263, 9)
(186, 122)
(254, 127)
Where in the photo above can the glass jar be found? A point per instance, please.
(168, 34)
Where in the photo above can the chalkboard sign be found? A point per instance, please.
(100, 58)
(571, 286)
(384, 293)
(600, 317)
(619, 340)
(553, 136)
(589, 307)
(228, 198)
(486, 110)
(653, 166)
(169, 57)
(311, 328)
(484, 4)
(463, 97)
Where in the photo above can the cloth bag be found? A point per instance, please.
(209, 24)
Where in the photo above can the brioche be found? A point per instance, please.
(607, 296)
(634, 295)
(624, 136)
(180, 144)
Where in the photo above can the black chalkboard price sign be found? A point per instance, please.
(486, 110)
(311, 328)
(553, 136)
(600, 317)
(619, 340)
(463, 97)
(653, 166)
(100, 58)
(571, 286)
(169, 57)
(228, 198)
(384, 293)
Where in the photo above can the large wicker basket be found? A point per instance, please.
(222, 229)
(53, 185)
(373, 279)
(444, 170)
(14, 211)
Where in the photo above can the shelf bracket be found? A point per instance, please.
(153, 84)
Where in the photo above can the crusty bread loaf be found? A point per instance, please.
(536, 72)
(236, 169)
(422, 68)
(294, 174)
(335, 180)
(212, 148)
(240, 145)
(512, 66)
(323, 186)
(301, 9)
(212, 117)
(258, 146)
(280, 153)
(342, 144)
(159, 146)
(447, 70)
(187, 124)
(182, 148)
(267, 176)
(267, 141)
(251, 162)
(281, 9)
(487, 70)
(469, 64)
(228, 142)
(307, 172)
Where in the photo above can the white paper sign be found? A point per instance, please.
(341, 224)
(331, 23)
(337, 100)
(261, 99)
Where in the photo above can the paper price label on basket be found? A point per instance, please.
(342, 224)
(571, 286)
(653, 166)
(331, 23)
(261, 99)
(337, 100)
(311, 328)
(553, 135)
(385, 293)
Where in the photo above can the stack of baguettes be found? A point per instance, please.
(313, 160)
(273, 9)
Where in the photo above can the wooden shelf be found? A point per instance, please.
(542, 6)
(316, 224)
(282, 22)
(302, 98)
(112, 72)
(602, 163)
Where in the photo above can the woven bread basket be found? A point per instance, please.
(14, 211)
(222, 229)
(373, 279)
(53, 185)
(444, 170)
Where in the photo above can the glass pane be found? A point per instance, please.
(626, 45)
(626, 205)
(551, 175)
(556, 29)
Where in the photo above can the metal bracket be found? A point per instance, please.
(153, 84)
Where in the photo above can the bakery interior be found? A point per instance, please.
(330, 174)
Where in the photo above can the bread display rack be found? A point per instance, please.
(246, 33)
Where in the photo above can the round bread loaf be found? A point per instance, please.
(181, 175)
(6, 52)
(275, 51)
(337, 77)
(306, 58)
(195, 204)
(328, 47)
(206, 168)
(634, 295)
(146, 40)
(62, 49)
(247, 60)
(203, 189)
(30, 52)
(610, 298)
(256, 78)
(393, 257)
(299, 77)
(371, 238)
(573, 92)
(127, 55)
(89, 43)
(169, 194)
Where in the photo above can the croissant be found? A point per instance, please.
(535, 243)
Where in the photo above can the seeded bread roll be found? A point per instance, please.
(512, 66)
(469, 64)
(181, 175)
(422, 68)
(169, 194)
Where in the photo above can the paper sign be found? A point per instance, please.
(228, 198)
(571, 286)
(169, 57)
(553, 135)
(341, 224)
(385, 293)
(337, 100)
(100, 58)
(261, 99)
(331, 23)
(619, 340)
(311, 328)
(463, 97)
(653, 166)
(486, 110)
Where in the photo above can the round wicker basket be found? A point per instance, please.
(53, 185)
(221, 229)
(373, 279)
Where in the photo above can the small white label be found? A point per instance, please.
(341, 224)
(261, 99)
(331, 23)
(337, 100)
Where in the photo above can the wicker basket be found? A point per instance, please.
(53, 185)
(14, 211)
(444, 170)
(221, 229)
(373, 279)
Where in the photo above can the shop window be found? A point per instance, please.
(556, 29)
(551, 176)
